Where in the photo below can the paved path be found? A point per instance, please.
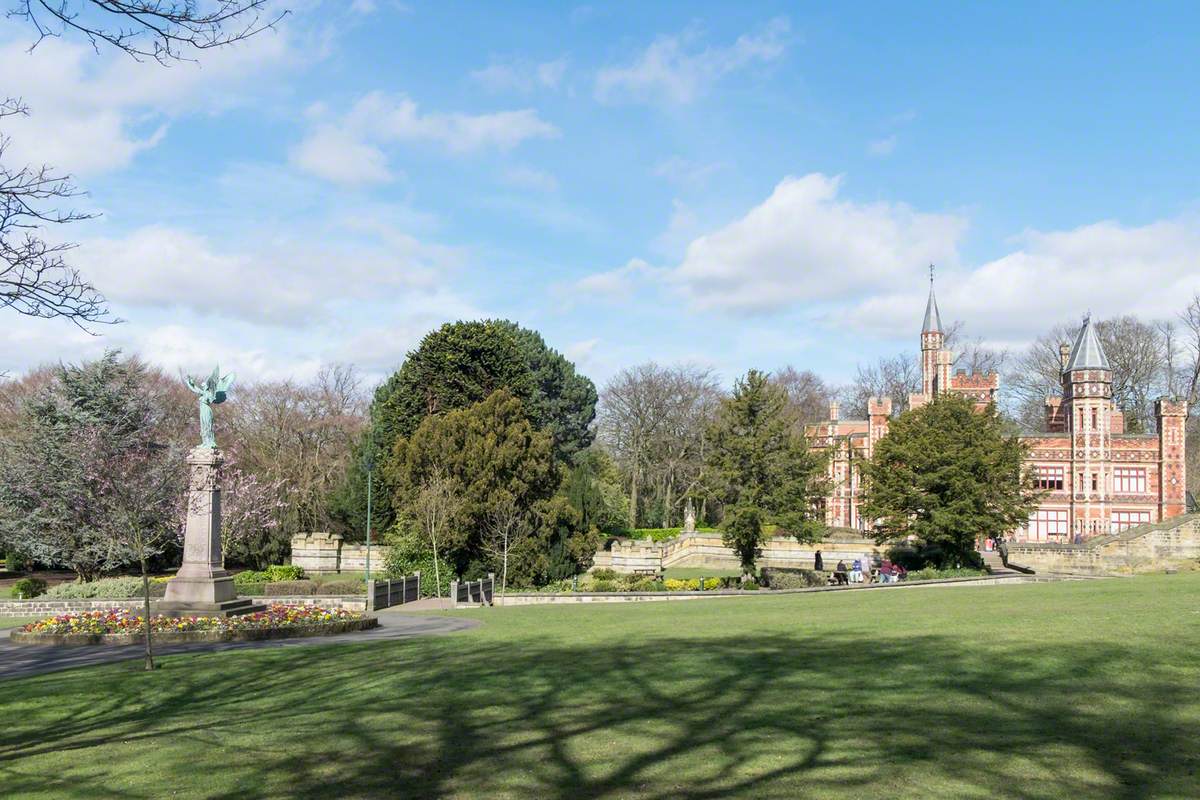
(18, 661)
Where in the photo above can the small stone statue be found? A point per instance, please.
(210, 392)
(689, 518)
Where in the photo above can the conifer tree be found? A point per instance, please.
(949, 475)
(762, 470)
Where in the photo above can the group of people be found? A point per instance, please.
(862, 570)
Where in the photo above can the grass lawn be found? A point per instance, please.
(1088, 689)
(14, 622)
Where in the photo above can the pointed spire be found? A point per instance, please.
(933, 320)
(1087, 352)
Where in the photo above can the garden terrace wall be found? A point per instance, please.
(705, 550)
(326, 552)
(38, 607)
(187, 637)
(1147, 547)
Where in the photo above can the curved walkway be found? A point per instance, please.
(19, 661)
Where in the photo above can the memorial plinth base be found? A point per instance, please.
(227, 608)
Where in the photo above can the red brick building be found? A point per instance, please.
(1098, 478)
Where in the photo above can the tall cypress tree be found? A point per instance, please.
(950, 476)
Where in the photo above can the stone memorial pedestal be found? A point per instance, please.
(203, 587)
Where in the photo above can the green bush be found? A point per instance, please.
(410, 554)
(605, 586)
(604, 574)
(934, 574)
(121, 588)
(342, 587)
(251, 576)
(289, 588)
(285, 572)
(792, 578)
(28, 588)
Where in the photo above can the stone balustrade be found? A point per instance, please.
(705, 550)
(322, 552)
(1153, 546)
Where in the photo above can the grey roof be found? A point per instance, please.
(1087, 352)
(933, 320)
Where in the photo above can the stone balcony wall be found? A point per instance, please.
(326, 552)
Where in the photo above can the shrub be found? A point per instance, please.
(604, 574)
(933, 574)
(792, 578)
(605, 586)
(106, 589)
(285, 572)
(288, 588)
(252, 576)
(343, 587)
(27, 588)
(410, 554)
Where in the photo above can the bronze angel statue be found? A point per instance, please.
(209, 392)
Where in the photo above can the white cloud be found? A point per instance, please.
(687, 173)
(338, 156)
(521, 75)
(882, 147)
(677, 69)
(803, 244)
(682, 228)
(580, 353)
(1105, 267)
(286, 282)
(93, 113)
(529, 178)
(378, 119)
(615, 284)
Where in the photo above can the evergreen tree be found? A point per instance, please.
(761, 469)
(454, 367)
(950, 476)
(490, 453)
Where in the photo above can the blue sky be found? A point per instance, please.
(740, 187)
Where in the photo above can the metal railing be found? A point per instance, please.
(393, 592)
(478, 592)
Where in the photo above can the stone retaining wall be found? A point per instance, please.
(705, 550)
(39, 607)
(1146, 548)
(326, 552)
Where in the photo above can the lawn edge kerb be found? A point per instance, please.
(187, 637)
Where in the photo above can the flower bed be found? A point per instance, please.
(125, 626)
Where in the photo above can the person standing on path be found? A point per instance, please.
(819, 563)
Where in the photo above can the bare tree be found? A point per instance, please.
(35, 279)
(896, 377)
(808, 395)
(437, 503)
(164, 30)
(653, 419)
(506, 526)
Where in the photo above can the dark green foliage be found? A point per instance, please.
(563, 402)
(950, 476)
(593, 488)
(490, 452)
(777, 578)
(761, 469)
(27, 588)
(455, 367)
(409, 554)
(604, 574)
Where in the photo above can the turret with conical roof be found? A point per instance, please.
(1087, 352)
(935, 368)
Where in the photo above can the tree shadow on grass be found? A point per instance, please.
(755, 716)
